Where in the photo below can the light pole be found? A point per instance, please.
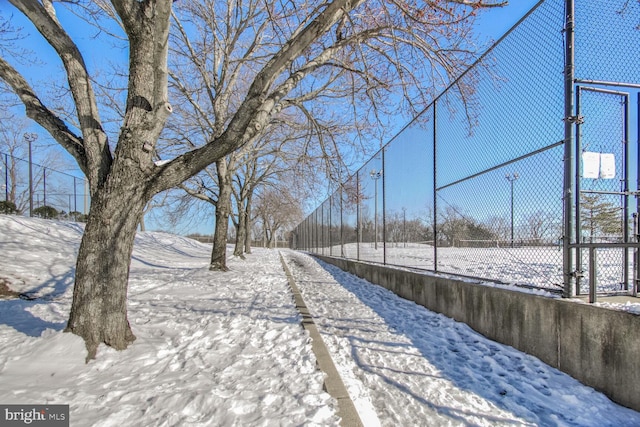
(75, 198)
(511, 177)
(44, 186)
(375, 176)
(404, 226)
(30, 137)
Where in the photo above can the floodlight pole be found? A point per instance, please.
(404, 226)
(375, 175)
(75, 199)
(511, 177)
(30, 137)
(44, 186)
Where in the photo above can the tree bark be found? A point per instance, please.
(99, 309)
(223, 208)
(240, 232)
(247, 237)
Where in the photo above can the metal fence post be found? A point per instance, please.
(636, 255)
(637, 231)
(341, 223)
(435, 198)
(359, 217)
(592, 273)
(384, 210)
(332, 223)
(625, 200)
(568, 238)
(578, 192)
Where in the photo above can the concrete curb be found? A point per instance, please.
(333, 383)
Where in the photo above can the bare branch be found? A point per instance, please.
(42, 115)
(97, 157)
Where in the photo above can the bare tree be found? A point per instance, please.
(542, 225)
(279, 160)
(375, 48)
(216, 186)
(254, 174)
(216, 59)
(499, 225)
(158, 202)
(277, 210)
(454, 227)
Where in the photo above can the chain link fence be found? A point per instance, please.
(607, 76)
(478, 186)
(37, 190)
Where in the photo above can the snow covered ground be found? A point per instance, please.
(227, 349)
(536, 266)
(212, 349)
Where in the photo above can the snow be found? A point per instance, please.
(527, 266)
(630, 307)
(228, 349)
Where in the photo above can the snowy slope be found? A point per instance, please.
(212, 348)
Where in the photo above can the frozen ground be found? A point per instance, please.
(227, 349)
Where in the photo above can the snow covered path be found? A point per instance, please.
(404, 365)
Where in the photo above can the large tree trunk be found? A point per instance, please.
(223, 208)
(240, 233)
(99, 309)
(143, 227)
(264, 236)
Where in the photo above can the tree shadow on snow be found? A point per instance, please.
(17, 312)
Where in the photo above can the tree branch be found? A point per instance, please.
(97, 157)
(42, 115)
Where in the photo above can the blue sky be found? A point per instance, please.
(496, 22)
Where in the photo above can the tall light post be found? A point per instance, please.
(375, 176)
(404, 226)
(30, 137)
(511, 177)
(44, 186)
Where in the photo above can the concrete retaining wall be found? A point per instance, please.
(597, 346)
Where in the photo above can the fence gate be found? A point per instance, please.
(604, 223)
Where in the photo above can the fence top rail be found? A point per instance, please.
(502, 165)
(605, 83)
